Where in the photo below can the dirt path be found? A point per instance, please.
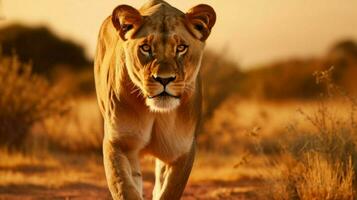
(83, 191)
(82, 178)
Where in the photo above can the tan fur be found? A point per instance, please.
(137, 119)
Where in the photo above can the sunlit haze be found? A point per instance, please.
(251, 32)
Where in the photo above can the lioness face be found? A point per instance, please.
(164, 63)
(163, 57)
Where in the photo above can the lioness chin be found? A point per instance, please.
(147, 74)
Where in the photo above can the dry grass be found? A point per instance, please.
(229, 130)
(320, 163)
(324, 180)
(83, 125)
(13, 159)
(25, 100)
(219, 167)
(306, 150)
(35, 114)
(49, 170)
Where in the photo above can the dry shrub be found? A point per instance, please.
(319, 163)
(313, 177)
(25, 99)
(79, 130)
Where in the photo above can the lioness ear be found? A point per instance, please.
(126, 18)
(200, 20)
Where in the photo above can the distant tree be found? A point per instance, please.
(220, 79)
(41, 47)
(343, 56)
(345, 47)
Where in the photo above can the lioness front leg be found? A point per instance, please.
(122, 171)
(171, 178)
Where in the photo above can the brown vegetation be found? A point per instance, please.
(291, 79)
(25, 100)
(41, 47)
(318, 162)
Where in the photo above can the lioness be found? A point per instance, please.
(147, 75)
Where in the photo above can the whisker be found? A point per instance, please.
(135, 90)
(139, 94)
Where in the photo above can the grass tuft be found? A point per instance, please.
(26, 99)
(318, 161)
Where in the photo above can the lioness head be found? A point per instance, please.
(163, 49)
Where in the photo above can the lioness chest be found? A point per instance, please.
(170, 138)
(163, 136)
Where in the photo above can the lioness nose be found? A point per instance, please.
(164, 81)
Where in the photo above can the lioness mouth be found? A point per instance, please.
(164, 94)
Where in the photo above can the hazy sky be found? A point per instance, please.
(252, 32)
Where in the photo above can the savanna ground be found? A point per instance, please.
(80, 175)
(230, 171)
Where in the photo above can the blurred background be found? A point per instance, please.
(279, 86)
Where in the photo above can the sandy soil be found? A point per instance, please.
(83, 191)
(95, 188)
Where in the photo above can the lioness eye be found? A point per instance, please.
(181, 48)
(145, 48)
